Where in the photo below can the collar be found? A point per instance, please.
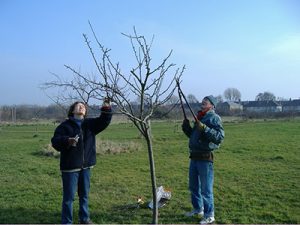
(76, 120)
(201, 113)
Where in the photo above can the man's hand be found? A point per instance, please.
(200, 126)
(186, 125)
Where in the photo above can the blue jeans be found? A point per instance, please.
(201, 179)
(73, 181)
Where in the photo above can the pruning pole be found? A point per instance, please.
(181, 104)
(182, 95)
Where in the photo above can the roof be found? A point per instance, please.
(231, 104)
(291, 103)
(261, 104)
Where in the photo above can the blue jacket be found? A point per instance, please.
(84, 154)
(209, 139)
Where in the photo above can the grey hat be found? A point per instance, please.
(212, 100)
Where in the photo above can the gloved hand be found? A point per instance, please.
(106, 102)
(200, 126)
(186, 125)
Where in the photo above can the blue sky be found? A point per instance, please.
(251, 45)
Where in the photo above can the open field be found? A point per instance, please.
(257, 175)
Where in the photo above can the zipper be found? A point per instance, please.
(82, 147)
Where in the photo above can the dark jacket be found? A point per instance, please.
(84, 154)
(202, 143)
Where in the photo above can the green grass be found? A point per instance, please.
(257, 175)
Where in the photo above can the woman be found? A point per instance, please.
(75, 140)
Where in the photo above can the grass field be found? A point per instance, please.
(257, 175)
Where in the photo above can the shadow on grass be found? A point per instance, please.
(124, 214)
(28, 216)
(132, 214)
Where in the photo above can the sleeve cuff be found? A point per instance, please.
(106, 108)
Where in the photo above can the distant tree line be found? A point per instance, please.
(170, 110)
(31, 113)
(35, 112)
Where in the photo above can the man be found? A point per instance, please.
(75, 140)
(205, 136)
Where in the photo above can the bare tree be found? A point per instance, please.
(173, 100)
(192, 98)
(219, 98)
(266, 96)
(144, 82)
(232, 94)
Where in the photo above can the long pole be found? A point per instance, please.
(181, 104)
(181, 94)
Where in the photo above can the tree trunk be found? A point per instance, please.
(153, 176)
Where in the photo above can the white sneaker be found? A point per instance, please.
(195, 212)
(208, 220)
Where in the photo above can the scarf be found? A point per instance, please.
(201, 114)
